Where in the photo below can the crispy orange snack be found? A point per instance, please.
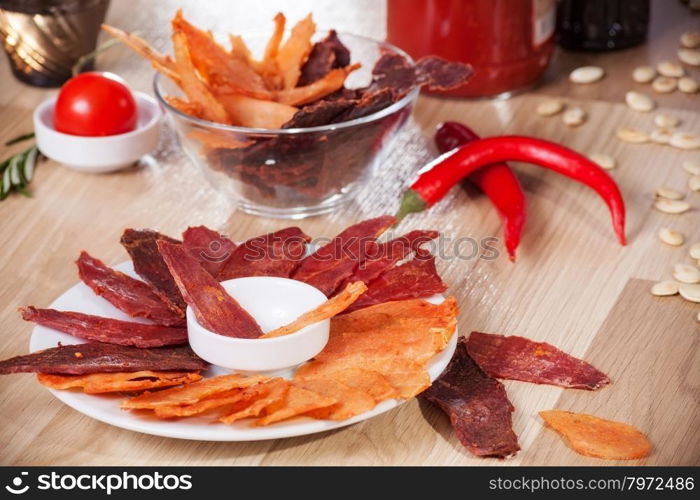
(275, 398)
(292, 55)
(185, 106)
(212, 402)
(160, 62)
(351, 401)
(596, 437)
(191, 393)
(255, 113)
(373, 383)
(224, 71)
(328, 309)
(322, 87)
(402, 328)
(299, 401)
(100, 383)
(196, 91)
(406, 376)
(214, 140)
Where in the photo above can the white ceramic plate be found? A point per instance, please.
(106, 408)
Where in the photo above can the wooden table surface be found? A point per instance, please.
(573, 285)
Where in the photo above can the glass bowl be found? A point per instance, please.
(299, 172)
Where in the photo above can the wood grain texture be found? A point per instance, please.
(572, 285)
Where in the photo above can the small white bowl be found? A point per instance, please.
(104, 153)
(273, 302)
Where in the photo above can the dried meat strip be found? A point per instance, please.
(436, 73)
(328, 54)
(391, 252)
(322, 112)
(141, 245)
(215, 309)
(477, 405)
(96, 357)
(273, 254)
(518, 358)
(417, 278)
(108, 330)
(134, 297)
(210, 248)
(329, 266)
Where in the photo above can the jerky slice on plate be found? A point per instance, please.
(210, 248)
(107, 330)
(390, 253)
(134, 297)
(215, 309)
(273, 254)
(96, 357)
(518, 358)
(417, 278)
(141, 245)
(329, 266)
(477, 405)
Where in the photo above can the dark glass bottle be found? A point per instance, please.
(601, 25)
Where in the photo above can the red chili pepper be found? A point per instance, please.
(497, 181)
(438, 177)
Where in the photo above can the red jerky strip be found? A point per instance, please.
(141, 245)
(215, 309)
(96, 357)
(477, 405)
(273, 254)
(108, 330)
(325, 55)
(134, 297)
(436, 73)
(333, 263)
(415, 279)
(390, 253)
(210, 248)
(518, 358)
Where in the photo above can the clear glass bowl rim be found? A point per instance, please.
(377, 115)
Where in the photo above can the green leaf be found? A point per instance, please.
(23, 137)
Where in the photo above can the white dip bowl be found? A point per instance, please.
(104, 153)
(273, 302)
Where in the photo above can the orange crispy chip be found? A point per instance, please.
(292, 55)
(213, 140)
(99, 383)
(191, 393)
(224, 71)
(275, 398)
(299, 401)
(406, 376)
(597, 437)
(332, 81)
(160, 62)
(373, 383)
(394, 328)
(351, 401)
(185, 106)
(328, 309)
(212, 402)
(196, 91)
(256, 113)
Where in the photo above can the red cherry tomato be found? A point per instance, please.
(95, 104)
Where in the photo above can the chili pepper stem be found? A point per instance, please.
(410, 202)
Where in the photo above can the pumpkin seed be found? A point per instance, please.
(574, 117)
(664, 84)
(587, 74)
(632, 135)
(605, 161)
(671, 237)
(664, 120)
(692, 167)
(685, 273)
(688, 85)
(639, 102)
(690, 39)
(643, 74)
(670, 68)
(690, 291)
(669, 194)
(689, 56)
(549, 107)
(664, 288)
(671, 206)
(685, 140)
